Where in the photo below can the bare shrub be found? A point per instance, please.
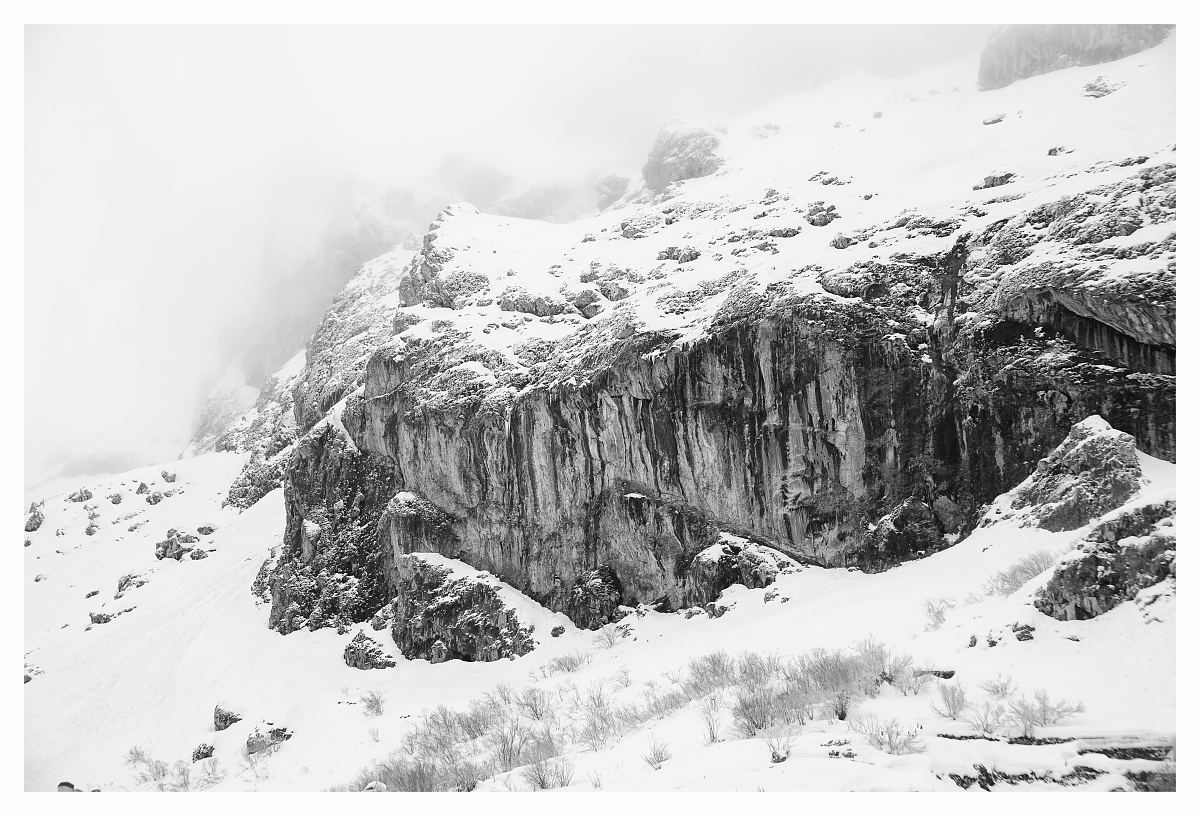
(501, 695)
(506, 740)
(622, 679)
(600, 723)
(712, 709)
(436, 736)
(658, 705)
(889, 735)
(401, 773)
(998, 687)
(534, 703)
(954, 700)
(658, 754)
(987, 719)
(211, 773)
(935, 612)
(1040, 711)
(567, 663)
(754, 708)
(549, 773)
(910, 682)
(373, 733)
(1008, 581)
(146, 769)
(597, 782)
(372, 703)
(757, 669)
(478, 718)
(710, 672)
(778, 742)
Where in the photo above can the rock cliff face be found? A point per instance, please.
(583, 412)
(1021, 51)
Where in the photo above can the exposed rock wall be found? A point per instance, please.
(1020, 51)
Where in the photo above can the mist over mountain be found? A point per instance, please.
(197, 195)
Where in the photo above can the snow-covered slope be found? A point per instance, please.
(195, 637)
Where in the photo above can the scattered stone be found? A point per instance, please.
(995, 181)
(557, 631)
(142, 488)
(994, 120)
(167, 476)
(41, 576)
(1059, 151)
(364, 652)
(80, 495)
(841, 242)
(196, 555)
(679, 254)
(92, 594)
(92, 529)
(115, 498)
(100, 617)
(154, 498)
(206, 529)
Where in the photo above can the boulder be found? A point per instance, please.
(80, 495)
(223, 718)
(142, 488)
(167, 476)
(1094, 470)
(266, 737)
(202, 751)
(594, 598)
(734, 560)
(364, 652)
(909, 530)
(35, 518)
(115, 498)
(154, 498)
(206, 529)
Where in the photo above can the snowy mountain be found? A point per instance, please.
(836, 453)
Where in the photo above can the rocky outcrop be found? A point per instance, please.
(364, 652)
(80, 495)
(911, 530)
(609, 189)
(682, 151)
(732, 561)
(1114, 562)
(445, 614)
(1093, 471)
(1020, 51)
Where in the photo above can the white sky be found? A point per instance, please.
(158, 158)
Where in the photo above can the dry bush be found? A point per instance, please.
(534, 703)
(987, 719)
(401, 773)
(707, 673)
(911, 682)
(954, 700)
(506, 741)
(1040, 711)
(712, 709)
(1008, 581)
(935, 612)
(566, 663)
(372, 703)
(549, 773)
(758, 670)
(477, 719)
(888, 735)
(778, 742)
(998, 687)
(622, 679)
(658, 754)
(146, 769)
(754, 708)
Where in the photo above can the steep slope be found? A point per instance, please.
(838, 338)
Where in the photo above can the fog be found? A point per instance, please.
(170, 171)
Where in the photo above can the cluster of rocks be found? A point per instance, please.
(364, 652)
(175, 546)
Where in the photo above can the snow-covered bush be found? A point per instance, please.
(1040, 711)
(889, 735)
(608, 636)
(506, 741)
(1008, 581)
(935, 612)
(372, 703)
(566, 663)
(954, 700)
(998, 687)
(778, 742)
(988, 718)
(754, 708)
